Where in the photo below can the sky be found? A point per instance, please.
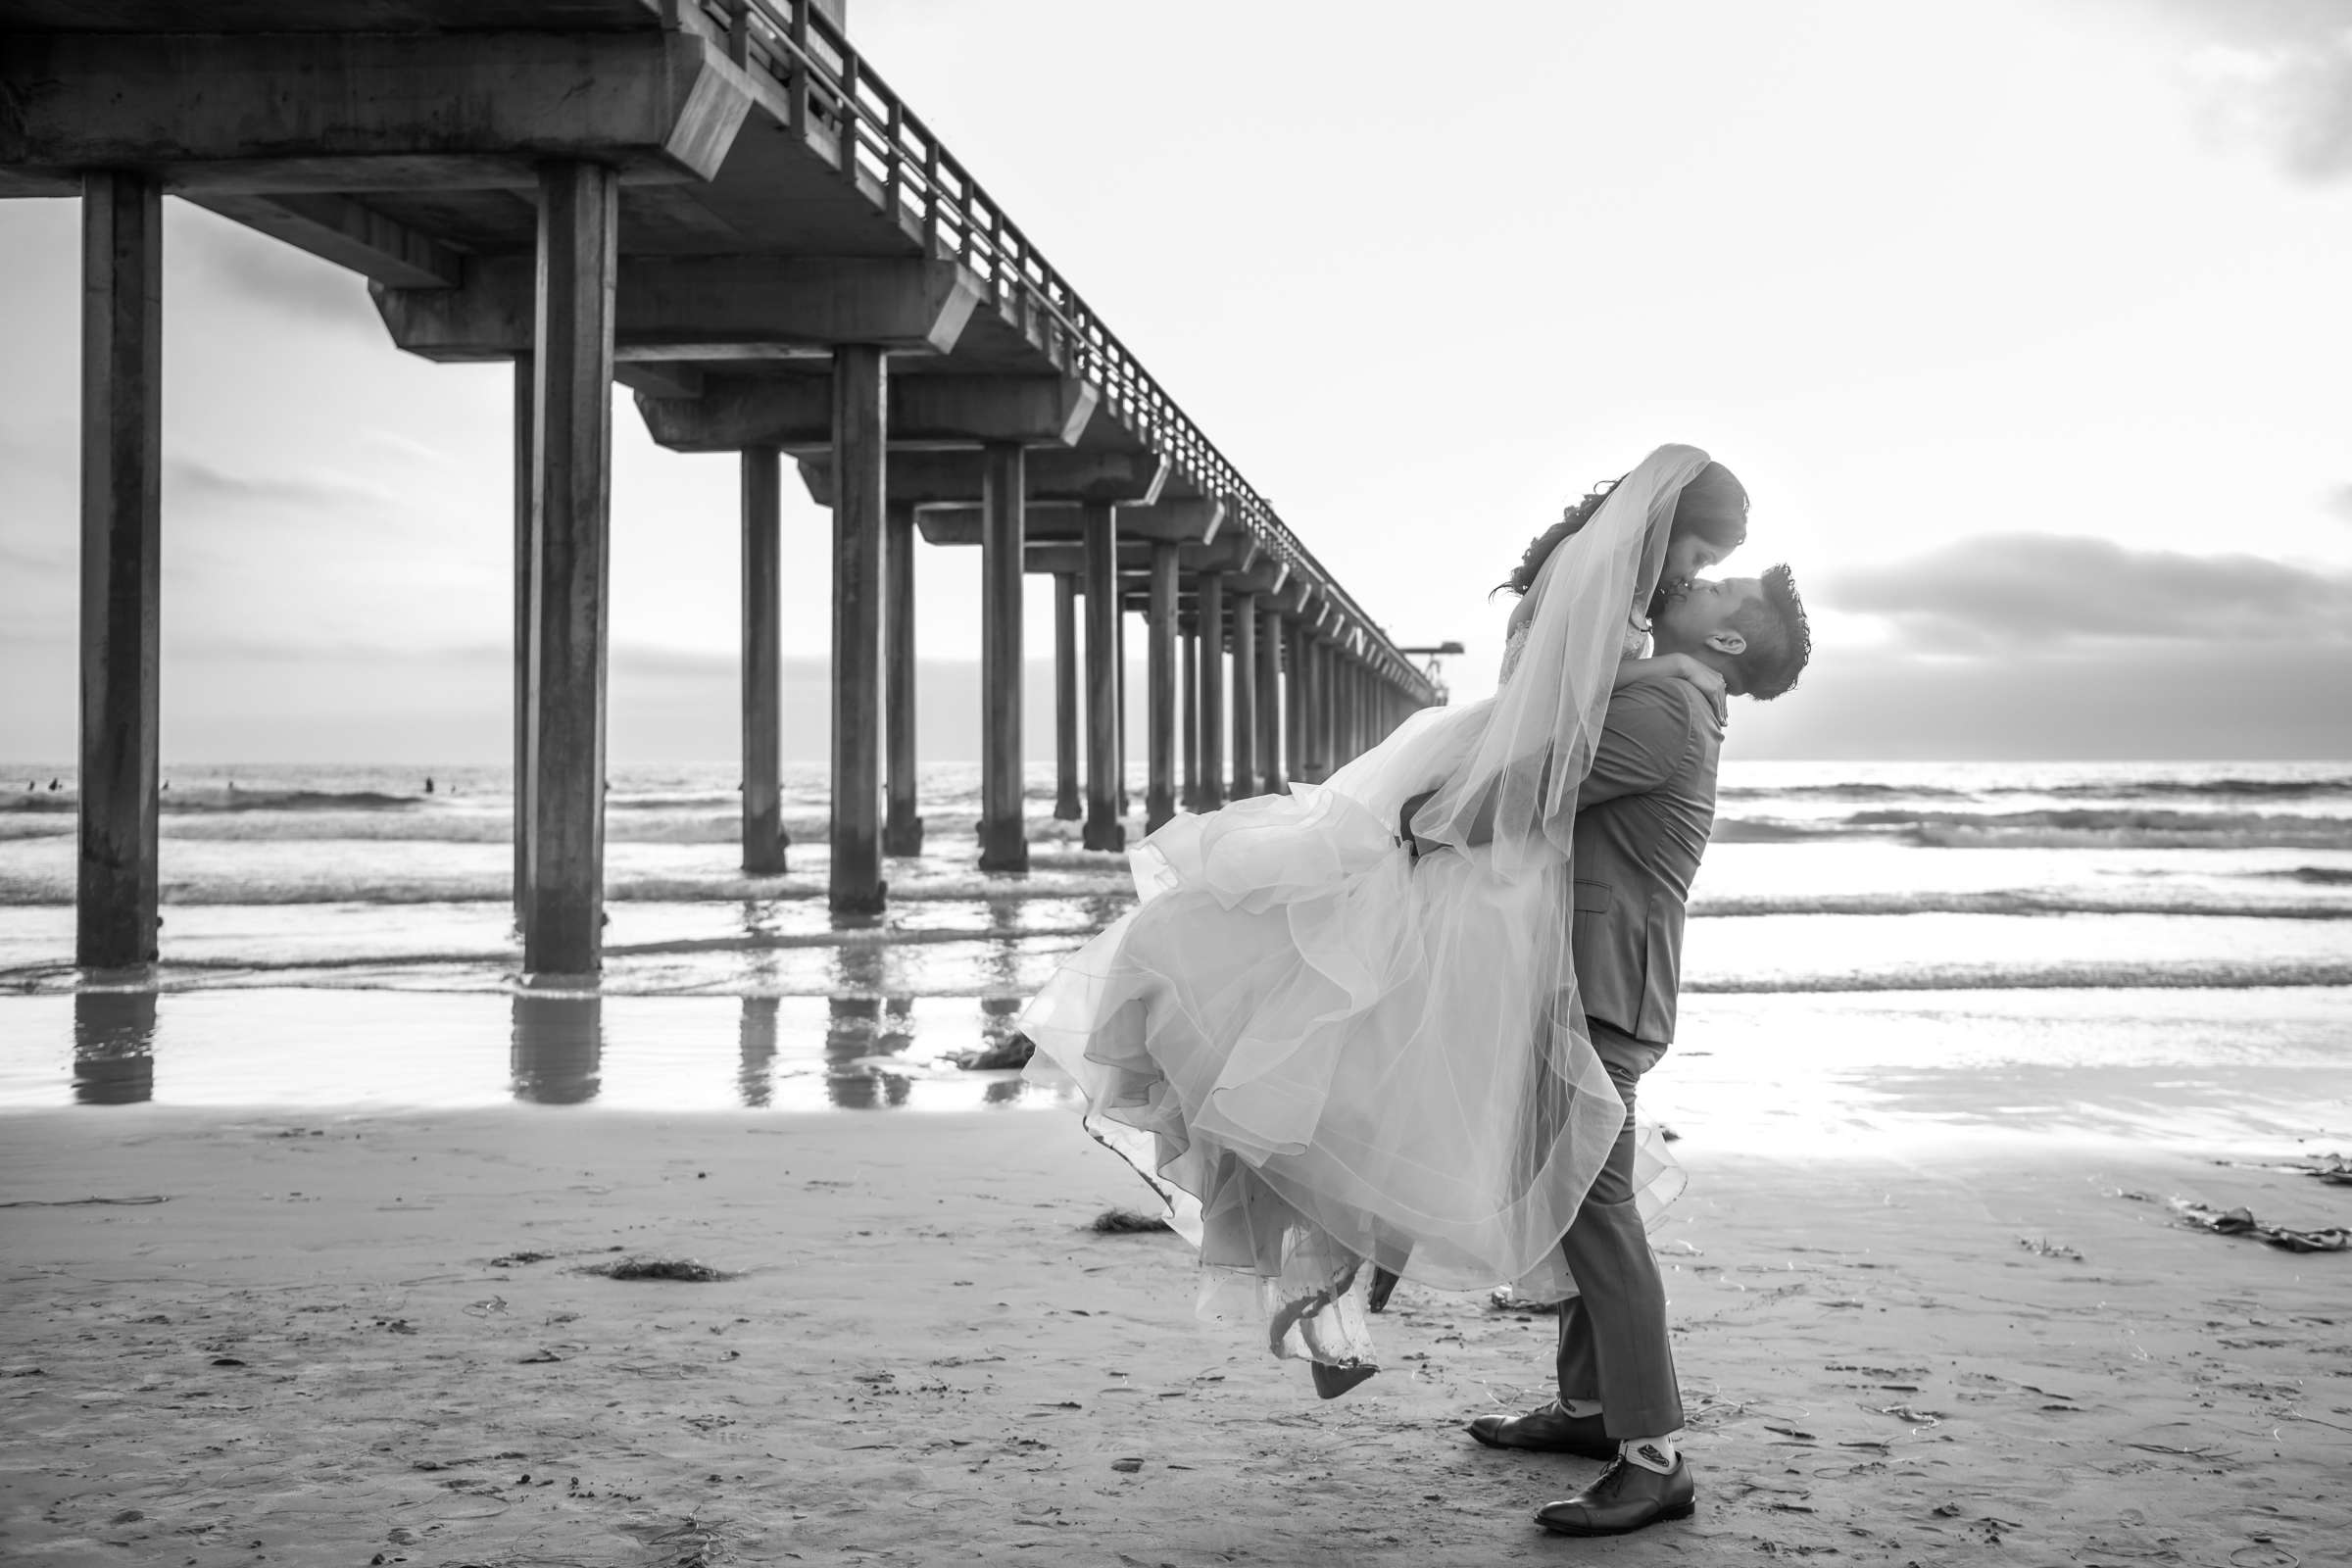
(2025, 325)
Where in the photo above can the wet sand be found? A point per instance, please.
(323, 1349)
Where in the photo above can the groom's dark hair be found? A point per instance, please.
(1779, 640)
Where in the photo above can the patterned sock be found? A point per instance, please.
(1650, 1453)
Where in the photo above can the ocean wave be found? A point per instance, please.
(2174, 975)
(2095, 827)
(2028, 901)
(2276, 789)
(233, 799)
(1097, 878)
(1856, 791)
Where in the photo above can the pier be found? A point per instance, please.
(721, 206)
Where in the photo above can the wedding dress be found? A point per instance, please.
(1325, 1057)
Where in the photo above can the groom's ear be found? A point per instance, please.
(1727, 643)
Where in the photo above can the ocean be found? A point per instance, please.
(339, 936)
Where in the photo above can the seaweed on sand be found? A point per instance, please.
(683, 1269)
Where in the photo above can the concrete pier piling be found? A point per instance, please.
(1188, 721)
(1003, 835)
(1067, 806)
(525, 439)
(121, 569)
(861, 460)
(1104, 764)
(1245, 695)
(1270, 778)
(1159, 789)
(902, 822)
(763, 663)
(1213, 692)
(571, 499)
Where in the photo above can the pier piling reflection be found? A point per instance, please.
(113, 1047)
(558, 1048)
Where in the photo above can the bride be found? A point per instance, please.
(1331, 1058)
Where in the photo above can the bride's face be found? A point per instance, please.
(1688, 555)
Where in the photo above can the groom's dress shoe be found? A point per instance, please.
(1551, 1430)
(1624, 1499)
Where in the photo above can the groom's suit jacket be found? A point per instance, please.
(1641, 824)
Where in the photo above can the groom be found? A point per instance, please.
(1643, 819)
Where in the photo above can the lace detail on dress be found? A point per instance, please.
(1511, 651)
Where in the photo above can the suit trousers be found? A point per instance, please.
(1613, 1343)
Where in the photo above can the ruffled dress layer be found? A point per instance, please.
(1324, 1055)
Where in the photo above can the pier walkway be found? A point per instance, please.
(722, 206)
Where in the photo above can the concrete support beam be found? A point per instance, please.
(763, 668)
(656, 378)
(709, 308)
(1159, 787)
(1269, 696)
(338, 229)
(1105, 764)
(1057, 476)
(902, 826)
(525, 617)
(796, 412)
(267, 112)
(121, 559)
(1243, 610)
(860, 454)
(1066, 806)
(1061, 549)
(1004, 836)
(1191, 521)
(1211, 615)
(571, 506)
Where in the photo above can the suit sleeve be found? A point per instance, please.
(1650, 730)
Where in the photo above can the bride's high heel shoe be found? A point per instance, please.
(1332, 1378)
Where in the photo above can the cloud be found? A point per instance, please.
(194, 479)
(2147, 702)
(2007, 590)
(2278, 72)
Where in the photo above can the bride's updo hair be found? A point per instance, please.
(1539, 548)
(1713, 505)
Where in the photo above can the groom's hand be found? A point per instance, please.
(1414, 846)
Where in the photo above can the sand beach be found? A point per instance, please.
(326, 1346)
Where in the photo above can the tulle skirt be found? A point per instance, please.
(1327, 1058)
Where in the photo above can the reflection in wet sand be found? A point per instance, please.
(113, 1047)
(857, 1029)
(756, 1051)
(558, 1048)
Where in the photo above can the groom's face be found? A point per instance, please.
(1698, 620)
